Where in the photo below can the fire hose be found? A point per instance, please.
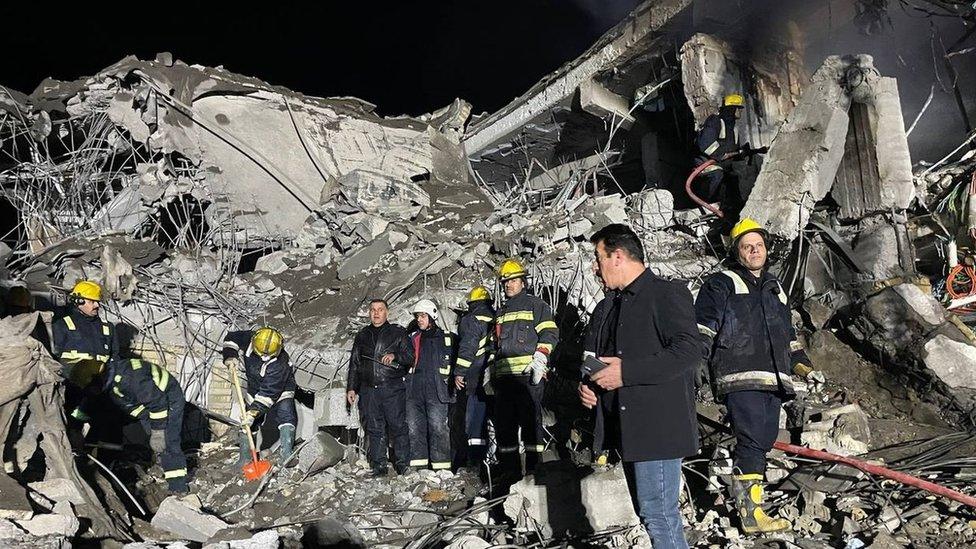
(745, 152)
(896, 476)
(691, 179)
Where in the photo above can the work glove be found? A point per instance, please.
(538, 366)
(157, 440)
(249, 417)
(232, 362)
(815, 378)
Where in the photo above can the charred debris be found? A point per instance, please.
(205, 201)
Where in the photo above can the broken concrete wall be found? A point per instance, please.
(930, 346)
(804, 157)
(770, 79)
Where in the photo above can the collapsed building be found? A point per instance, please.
(206, 201)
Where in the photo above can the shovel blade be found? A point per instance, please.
(256, 469)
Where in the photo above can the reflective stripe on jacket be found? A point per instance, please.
(474, 341)
(524, 324)
(139, 387)
(747, 333)
(268, 381)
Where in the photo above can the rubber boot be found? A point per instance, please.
(245, 450)
(749, 495)
(286, 443)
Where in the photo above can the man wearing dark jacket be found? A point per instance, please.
(84, 344)
(647, 339)
(526, 334)
(474, 349)
(717, 141)
(429, 394)
(148, 393)
(751, 348)
(270, 384)
(381, 358)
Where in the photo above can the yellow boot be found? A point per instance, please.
(749, 494)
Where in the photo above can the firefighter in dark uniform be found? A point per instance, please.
(751, 349)
(429, 393)
(470, 372)
(717, 141)
(84, 344)
(270, 384)
(526, 335)
(148, 392)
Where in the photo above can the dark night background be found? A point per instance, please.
(407, 58)
(415, 57)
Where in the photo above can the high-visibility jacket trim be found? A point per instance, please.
(545, 325)
(516, 315)
(159, 415)
(175, 473)
(137, 410)
(512, 364)
(70, 323)
(437, 465)
(740, 285)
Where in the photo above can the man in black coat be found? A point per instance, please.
(649, 341)
(381, 358)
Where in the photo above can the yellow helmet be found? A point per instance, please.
(478, 293)
(267, 341)
(734, 100)
(511, 268)
(747, 225)
(86, 289)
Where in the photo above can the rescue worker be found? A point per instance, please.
(270, 385)
(381, 358)
(149, 394)
(526, 335)
(470, 372)
(717, 141)
(84, 344)
(751, 349)
(429, 393)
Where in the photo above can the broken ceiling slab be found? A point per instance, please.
(626, 40)
(603, 103)
(808, 149)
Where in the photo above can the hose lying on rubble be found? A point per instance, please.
(896, 476)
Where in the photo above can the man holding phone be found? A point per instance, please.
(648, 338)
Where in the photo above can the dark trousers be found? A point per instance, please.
(383, 410)
(754, 416)
(281, 413)
(476, 425)
(173, 460)
(518, 404)
(430, 438)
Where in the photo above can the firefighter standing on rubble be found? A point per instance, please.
(526, 335)
(84, 344)
(429, 393)
(149, 394)
(380, 360)
(751, 348)
(270, 384)
(717, 141)
(470, 372)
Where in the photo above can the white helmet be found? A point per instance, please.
(426, 306)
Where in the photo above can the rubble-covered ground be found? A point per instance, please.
(206, 201)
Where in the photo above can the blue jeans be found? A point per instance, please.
(656, 485)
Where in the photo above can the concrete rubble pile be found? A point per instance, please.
(206, 201)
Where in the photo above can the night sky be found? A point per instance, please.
(409, 57)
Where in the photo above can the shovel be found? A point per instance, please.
(258, 467)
